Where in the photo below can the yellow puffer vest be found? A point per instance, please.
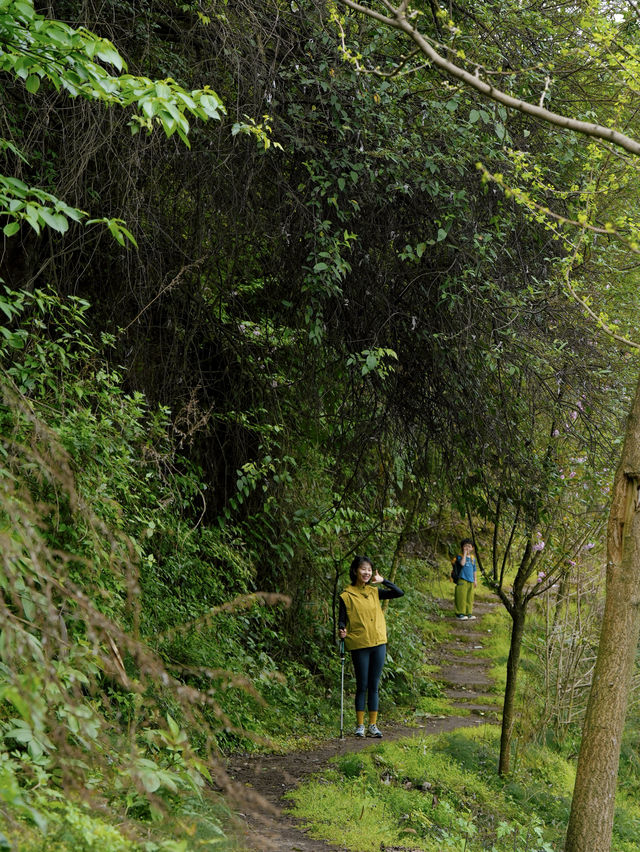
(365, 620)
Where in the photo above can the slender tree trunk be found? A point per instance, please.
(402, 539)
(561, 600)
(592, 808)
(508, 708)
(334, 601)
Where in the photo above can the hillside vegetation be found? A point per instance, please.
(266, 305)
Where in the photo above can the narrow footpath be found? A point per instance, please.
(263, 780)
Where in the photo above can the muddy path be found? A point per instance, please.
(263, 780)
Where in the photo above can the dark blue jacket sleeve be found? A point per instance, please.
(390, 591)
(342, 615)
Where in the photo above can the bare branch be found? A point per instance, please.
(547, 84)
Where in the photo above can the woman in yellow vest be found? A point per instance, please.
(362, 626)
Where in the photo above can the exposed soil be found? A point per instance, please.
(266, 778)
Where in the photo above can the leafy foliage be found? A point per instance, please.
(36, 49)
(72, 640)
(335, 341)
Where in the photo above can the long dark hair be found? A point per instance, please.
(357, 562)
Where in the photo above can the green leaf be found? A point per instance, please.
(32, 83)
(58, 33)
(55, 220)
(127, 233)
(15, 183)
(22, 734)
(110, 54)
(24, 9)
(115, 230)
(35, 749)
(211, 104)
(17, 341)
(11, 229)
(173, 726)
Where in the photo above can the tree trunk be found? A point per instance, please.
(508, 708)
(402, 538)
(592, 808)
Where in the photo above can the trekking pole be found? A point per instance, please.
(342, 689)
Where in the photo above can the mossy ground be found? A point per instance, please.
(439, 792)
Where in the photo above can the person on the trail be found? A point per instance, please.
(362, 626)
(463, 575)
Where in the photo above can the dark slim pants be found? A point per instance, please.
(367, 664)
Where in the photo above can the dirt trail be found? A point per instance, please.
(266, 778)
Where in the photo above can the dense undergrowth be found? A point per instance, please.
(92, 757)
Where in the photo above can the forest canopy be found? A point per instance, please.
(279, 286)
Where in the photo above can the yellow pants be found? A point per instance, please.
(464, 597)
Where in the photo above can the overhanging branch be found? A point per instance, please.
(399, 21)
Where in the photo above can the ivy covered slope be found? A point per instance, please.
(88, 708)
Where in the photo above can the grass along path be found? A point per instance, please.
(464, 675)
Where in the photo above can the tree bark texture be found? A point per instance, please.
(591, 821)
(508, 707)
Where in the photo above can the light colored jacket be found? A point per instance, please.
(366, 626)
